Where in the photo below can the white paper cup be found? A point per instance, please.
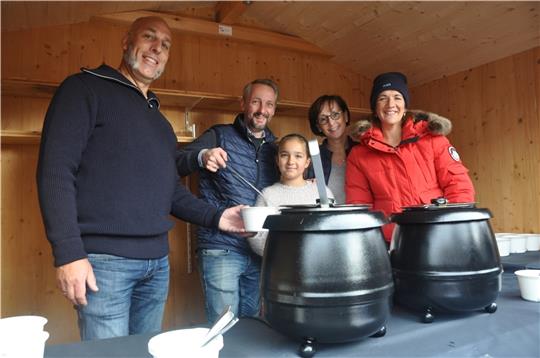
(518, 243)
(533, 242)
(184, 343)
(529, 284)
(254, 217)
(503, 244)
(17, 345)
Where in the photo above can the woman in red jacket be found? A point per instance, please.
(403, 158)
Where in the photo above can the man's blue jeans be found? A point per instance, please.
(230, 278)
(131, 297)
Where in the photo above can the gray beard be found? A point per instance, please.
(131, 61)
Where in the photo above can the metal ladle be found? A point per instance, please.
(319, 174)
(245, 181)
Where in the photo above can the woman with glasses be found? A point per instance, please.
(329, 117)
(403, 157)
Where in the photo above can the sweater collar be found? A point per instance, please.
(107, 72)
(350, 144)
(241, 127)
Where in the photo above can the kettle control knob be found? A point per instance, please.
(439, 201)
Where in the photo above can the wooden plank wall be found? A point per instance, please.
(196, 64)
(495, 110)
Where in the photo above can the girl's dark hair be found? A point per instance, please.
(315, 110)
(296, 136)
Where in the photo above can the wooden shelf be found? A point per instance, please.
(25, 88)
(20, 137)
(300, 109)
(182, 139)
(34, 137)
(187, 99)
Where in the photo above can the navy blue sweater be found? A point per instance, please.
(107, 178)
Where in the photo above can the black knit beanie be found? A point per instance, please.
(389, 81)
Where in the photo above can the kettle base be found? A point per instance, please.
(330, 324)
(491, 308)
(451, 293)
(380, 333)
(307, 348)
(429, 318)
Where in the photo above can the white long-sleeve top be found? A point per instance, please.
(282, 195)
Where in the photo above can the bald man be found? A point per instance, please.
(107, 182)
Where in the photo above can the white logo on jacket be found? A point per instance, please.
(453, 153)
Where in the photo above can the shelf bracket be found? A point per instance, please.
(188, 125)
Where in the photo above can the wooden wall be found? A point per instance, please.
(495, 110)
(196, 64)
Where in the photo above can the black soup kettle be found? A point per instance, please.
(326, 274)
(445, 258)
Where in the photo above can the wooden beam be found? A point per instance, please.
(209, 28)
(227, 12)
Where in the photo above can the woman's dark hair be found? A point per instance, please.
(296, 136)
(315, 110)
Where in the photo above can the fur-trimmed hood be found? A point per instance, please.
(436, 124)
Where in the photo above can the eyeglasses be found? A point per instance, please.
(325, 119)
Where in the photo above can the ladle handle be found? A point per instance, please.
(319, 174)
(222, 331)
(224, 319)
(245, 181)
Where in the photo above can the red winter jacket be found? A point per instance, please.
(422, 167)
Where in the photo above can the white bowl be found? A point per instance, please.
(529, 284)
(254, 217)
(184, 343)
(503, 243)
(25, 324)
(533, 242)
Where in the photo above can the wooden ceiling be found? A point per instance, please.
(425, 40)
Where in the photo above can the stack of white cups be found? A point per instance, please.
(514, 243)
(533, 242)
(518, 243)
(22, 336)
(503, 243)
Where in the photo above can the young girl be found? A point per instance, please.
(292, 189)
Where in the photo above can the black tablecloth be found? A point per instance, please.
(527, 260)
(512, 331)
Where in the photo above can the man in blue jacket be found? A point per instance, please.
(107, 182)
(229, 269)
